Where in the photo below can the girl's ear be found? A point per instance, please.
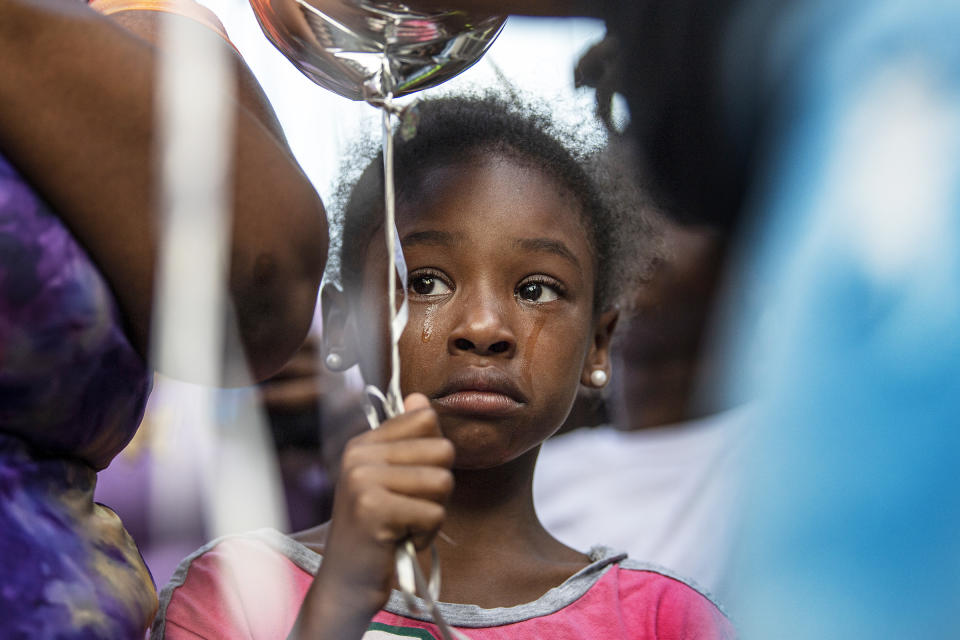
(338, 342)
(596, 368)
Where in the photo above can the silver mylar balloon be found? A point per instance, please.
(342, 44)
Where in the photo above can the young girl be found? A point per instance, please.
(513, 266)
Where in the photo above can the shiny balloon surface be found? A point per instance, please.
(343, 45)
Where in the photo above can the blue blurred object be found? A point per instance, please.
(847, 324)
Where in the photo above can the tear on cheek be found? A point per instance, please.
(428, 324)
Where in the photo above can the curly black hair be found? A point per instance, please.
(465, 128)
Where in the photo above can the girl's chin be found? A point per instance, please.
(478, 446)
(477, 454)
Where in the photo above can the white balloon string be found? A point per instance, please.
(395, 262)
(193, 103)
(373, 416)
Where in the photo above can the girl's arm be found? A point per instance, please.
(393, 484)
(77, 119)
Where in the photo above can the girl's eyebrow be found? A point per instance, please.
(547, 245)
(435, 238)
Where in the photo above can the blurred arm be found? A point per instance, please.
(77, 119)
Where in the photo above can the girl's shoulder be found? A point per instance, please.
(633, 570)
(214, 590)
(679, 606)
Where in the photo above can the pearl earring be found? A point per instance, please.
(598, 377)
(333, 361)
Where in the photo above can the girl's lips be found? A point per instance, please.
(478, 403)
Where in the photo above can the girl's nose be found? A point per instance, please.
(482, 329)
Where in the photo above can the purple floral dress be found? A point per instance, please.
(72, 392)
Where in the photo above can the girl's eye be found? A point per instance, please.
(537, 292)
(429, 285)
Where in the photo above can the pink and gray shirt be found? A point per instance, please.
(251, 586)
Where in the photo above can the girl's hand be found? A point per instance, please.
(393, 484)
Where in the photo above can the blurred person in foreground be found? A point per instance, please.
(659, 479)
(78, 253)
(827, 135)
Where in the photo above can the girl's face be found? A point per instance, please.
(501, 285)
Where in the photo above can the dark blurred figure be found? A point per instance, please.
(659, 482)
(826, 138)
(659, 352)
(312, 414)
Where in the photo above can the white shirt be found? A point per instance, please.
(665, 495)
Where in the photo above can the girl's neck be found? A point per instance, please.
(493, 550)
(502, 492)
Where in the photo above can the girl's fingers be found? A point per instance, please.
(394, 479)
(427, 483)
(418, 451)
(413, 438)
(390, 517)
